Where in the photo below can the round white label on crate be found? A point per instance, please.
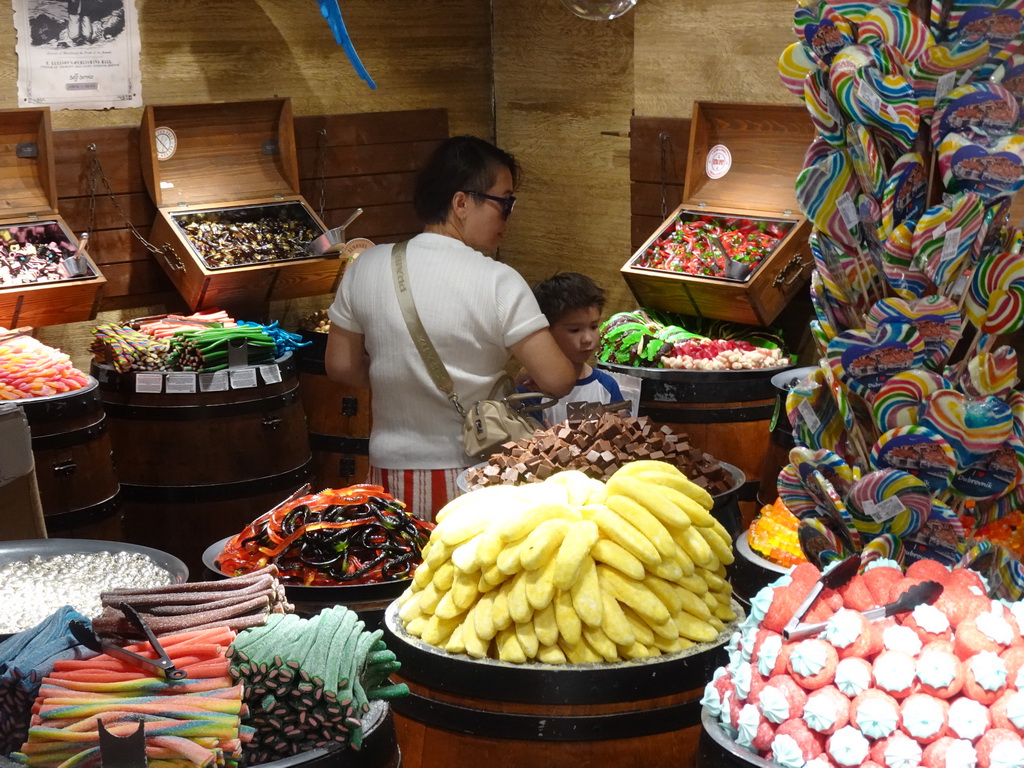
(166, 143)
(719, 161)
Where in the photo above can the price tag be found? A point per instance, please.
(810, 417)
(213, 382)
(947, 199)
(243, 378)
(944, 85)
(950, 244)
(957, 291)
(271, 373)
(965, 77)
(831, 107)
(883, 510)
(183, 383)
(871, 99)
(848, 210)
(150, 383)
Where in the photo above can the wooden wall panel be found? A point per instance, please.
(658, 149)
(362, 160)
(560, 82)
(423, 55)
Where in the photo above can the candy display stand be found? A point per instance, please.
(464, 711)
(199, 463)
(74, 468)
(28, 189)
(725, 413)
(368, 600)
(229, 162)
(338, 416)
(764, 144)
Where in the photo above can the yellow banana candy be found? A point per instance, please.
(600, 642)
(574, 548)
(625, 535)
(499, 612)
(483, 617)
(695, 629)
(545, 624)
(570, 628)
(586, 595)
(475, 645)
(637, 515)
(695, 546)
(516, 526)
(455, 643)
(608, 552)
(542, 543)
(551, 654)
(519, 607)
(540, 585)
(614, 622)
(650, 497)
(694, 510)
(527, 637)
(464, 590)
(509, 648)
(721, 547)
(633, 594)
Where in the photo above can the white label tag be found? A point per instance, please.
(965, 77)
(868, 96)
(213, 382)
(271, 373)
(959, 286)
(183, 383)
(150, 383)
(950, 244)
(810, 417)
(947, 199)
(848, 210)
(883, 510)
(243, 378)
(944, 85)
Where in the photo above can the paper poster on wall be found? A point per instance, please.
(78, 54)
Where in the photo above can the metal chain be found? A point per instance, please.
(321, 148)
(664, 137)
(96, 173)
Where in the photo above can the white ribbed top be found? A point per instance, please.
(472, 307)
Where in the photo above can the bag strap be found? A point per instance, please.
(435, 366)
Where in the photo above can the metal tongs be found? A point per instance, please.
(835, 578)
(162, 665)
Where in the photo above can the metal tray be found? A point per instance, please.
(340, 594)
(14, 551)
(693, 377)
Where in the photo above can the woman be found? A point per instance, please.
(477, 312)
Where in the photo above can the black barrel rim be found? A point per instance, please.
(242, 489)
(536, 683)
(63, 406)
(83, 516)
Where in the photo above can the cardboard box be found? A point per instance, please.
(743, 163)
(226, 164)
(30, 222)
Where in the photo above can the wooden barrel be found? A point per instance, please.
(338, 417)
(71, 445)
(726, 413)
(500, 715)
(781, 434)
(197, 467)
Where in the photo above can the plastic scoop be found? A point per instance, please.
(835, 578)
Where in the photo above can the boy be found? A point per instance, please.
(573, 303)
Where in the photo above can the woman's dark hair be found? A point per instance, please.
(463, 163)
(565, 292)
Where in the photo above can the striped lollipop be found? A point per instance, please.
(845, 65)
(825, 114)
(824, 30)
(993, 474)
(822, 309)
(919, 451)
(943, 238)
(795, 64)
(898, 402)
(903, 196)
(887, 546)
(1015, 399)
(973, 428)
(936, 318)
(818, 542)
(991, 374)
(834, 508)
(1010, 75)
(897, 258)
(812, 413)
(887, 103)
(830, 464)
(864, 360)
(867, 162)
(993, 276)
(942, 60)
(941, 537)
(981, 112)
(899, 27)
(790, 487)
(998, 23)
(889, 501)
(819, 188)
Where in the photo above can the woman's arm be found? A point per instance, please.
(346, 360)
(549, 368)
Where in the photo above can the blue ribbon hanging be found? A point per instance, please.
(331, 11)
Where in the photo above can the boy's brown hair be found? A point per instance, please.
(567, 291)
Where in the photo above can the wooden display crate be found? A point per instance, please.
(28, 195)
(223, 160)
(766, 143)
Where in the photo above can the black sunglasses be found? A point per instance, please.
(507, 203)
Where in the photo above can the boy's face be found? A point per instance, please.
(576, 333)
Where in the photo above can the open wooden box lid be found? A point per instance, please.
(28, 184)
(746, 156)
(218, 152)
